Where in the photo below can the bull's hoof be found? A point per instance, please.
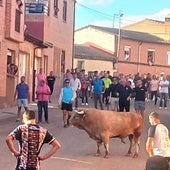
(128, 154)
(98, 154)
(135, 156)
(107, 156)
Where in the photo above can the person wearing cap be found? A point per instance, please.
(158, 142)
(67, 96)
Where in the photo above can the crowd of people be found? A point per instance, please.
(114, 91)
(111, 92)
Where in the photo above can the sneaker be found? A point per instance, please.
(82, 104)
(160, 108)
(18, 119)
(165, 108)
(86, 104)
(65, 126)
(46, 121)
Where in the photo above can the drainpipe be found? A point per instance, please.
(139, 57)
(73, 33)
(34, 75)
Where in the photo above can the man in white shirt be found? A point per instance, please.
(76, 85)
(163, 89)
(154, 85)
(158, 142)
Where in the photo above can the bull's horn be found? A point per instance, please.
(80, 112)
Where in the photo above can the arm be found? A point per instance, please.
(74, 96)
(55, 147)
(9, 141)
(79, 85)
(61, 96)
(149, 147)
(28, 93)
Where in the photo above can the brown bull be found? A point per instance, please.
(101, 125)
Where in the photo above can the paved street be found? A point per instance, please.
(78, 150)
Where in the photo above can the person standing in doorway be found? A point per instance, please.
(42, 91)
(31, 138)
(50, 83)
(22, 95)
(41, 75)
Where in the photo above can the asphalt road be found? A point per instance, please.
(78, 150)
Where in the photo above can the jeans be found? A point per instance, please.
(84, 95)
(163, 96)
(98, 97)
(42, 105)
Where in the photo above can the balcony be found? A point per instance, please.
(37, 8)
(36, 12)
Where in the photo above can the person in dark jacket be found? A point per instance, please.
(140, 93)
(113, 94)
(125, 93)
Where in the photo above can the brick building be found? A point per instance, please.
(33, 35)
(158, 28)
(135, 51)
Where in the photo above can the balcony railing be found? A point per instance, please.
(37, 8)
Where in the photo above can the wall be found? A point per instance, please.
(103, 40)
(95, 65)
(139, 55)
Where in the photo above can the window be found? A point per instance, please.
(151, 57)
(127, 51)
(11, 67)
(80, 65)
(56, 9)
(64, 11)
(168, 55)
(17, 20)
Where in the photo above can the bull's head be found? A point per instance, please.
(78, 119)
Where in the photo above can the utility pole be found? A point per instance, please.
(119, 36)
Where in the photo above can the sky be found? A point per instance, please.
(107, 12)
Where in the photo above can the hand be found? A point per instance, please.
(16, 154)
(128, 98)
(41, 158)
(71, 101)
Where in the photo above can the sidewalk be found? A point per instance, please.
(12, 111)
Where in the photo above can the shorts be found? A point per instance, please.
(66, 106)
(139, 105)
(23, 102)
